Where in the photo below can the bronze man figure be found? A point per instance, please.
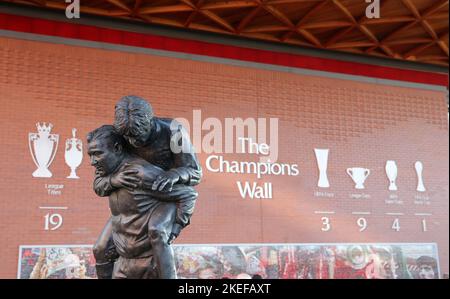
(139, 216)
(150, 138)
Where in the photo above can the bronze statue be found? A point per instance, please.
(147, 181)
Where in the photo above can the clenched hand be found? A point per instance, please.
(128, 179)
(165, 181)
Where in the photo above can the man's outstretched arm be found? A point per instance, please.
(124, 178)
(186, 164)
(186, 168)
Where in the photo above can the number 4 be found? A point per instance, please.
(396, 225)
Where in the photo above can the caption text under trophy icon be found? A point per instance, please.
(358, 175)
(391, 172)
(43, 147)
(73, 154)
(322, 163)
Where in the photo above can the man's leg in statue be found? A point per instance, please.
(160, 226)
(105, 253)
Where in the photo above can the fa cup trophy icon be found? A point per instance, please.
(359, 176)
(391, 172)
(73, 154)
(43, 147)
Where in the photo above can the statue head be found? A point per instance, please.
(134, 120)
(106, 149)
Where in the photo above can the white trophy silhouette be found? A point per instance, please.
(43, 147)
(322, 163)
(419, 170)
(391, 172)
(73, 154)
(358, 175)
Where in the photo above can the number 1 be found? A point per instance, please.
(424, 225)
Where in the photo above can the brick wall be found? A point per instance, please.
(363, 125)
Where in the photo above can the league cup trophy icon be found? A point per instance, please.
(391, 172)
(73, 154)
(322, 163)
(358, 175)
(43, 147)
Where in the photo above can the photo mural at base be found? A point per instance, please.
(286, 261)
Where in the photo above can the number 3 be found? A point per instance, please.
(326, 224)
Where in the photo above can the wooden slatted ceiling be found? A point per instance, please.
(414, 30)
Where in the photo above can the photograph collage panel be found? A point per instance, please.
(267, 261)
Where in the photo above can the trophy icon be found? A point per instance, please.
(322, 163)
(419, 170)
(358, 175)
(43, 147)
(73, 154)
(391, 172)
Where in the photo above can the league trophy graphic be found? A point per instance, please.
(322, 163)
(43, 147)
(358, 175)
(73, 154)
(391, 172)
(419, 169)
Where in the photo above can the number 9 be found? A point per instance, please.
(362, 223)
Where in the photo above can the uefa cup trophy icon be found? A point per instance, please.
(43, 147)
(358, 175)
(73, 154)
(391, 172)
(322, 163)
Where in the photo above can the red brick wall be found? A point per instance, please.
(362, 125)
